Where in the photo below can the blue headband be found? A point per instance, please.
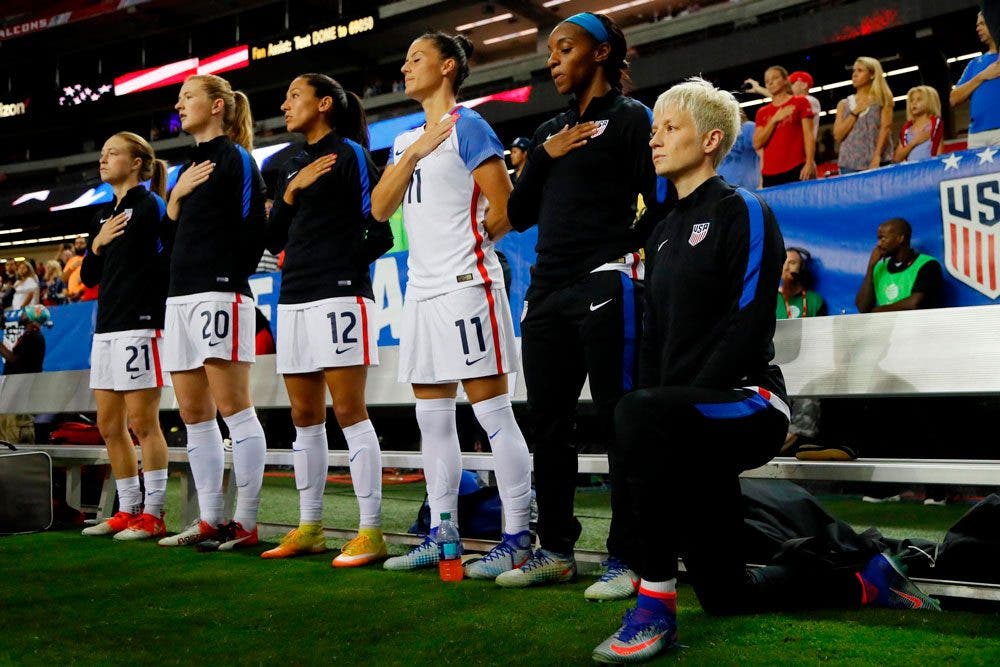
(591, 24)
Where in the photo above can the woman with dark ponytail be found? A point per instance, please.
(127, 257)
(586, 169)
(457, 325)
(326, 339)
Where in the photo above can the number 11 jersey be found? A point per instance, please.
(444, 209)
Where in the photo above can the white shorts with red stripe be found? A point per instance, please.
(127, 361)
(209, 325)
(460, 335)
(330, 333)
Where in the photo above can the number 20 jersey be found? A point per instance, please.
(444, 209)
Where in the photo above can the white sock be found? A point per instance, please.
(207, 460)
(511, 459)
(156, 490)
(366, 471)
(129, 495)
(442, 455)
(249, 450)
(668, 586)
(311, 456)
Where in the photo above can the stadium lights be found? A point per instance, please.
(967, 56)
(841, 84)
(624, 5)
(513, 35)
(553, 3)
(11, 231)
(476, 24)
(46, 239)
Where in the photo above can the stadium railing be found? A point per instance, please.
(943, 352)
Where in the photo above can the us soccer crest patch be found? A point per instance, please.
(698, 233)
(601, 126)
(970, 211)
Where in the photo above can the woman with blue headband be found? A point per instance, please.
(586, 169)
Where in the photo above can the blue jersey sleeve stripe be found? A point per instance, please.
(247, 180)
(662, 187)
(477, 142)
(734, 410)
(756, 250)
(161, 207)
(366, 193)
(629, 333)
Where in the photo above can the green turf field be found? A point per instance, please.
(69, 599)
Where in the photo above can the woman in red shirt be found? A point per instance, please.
(785, 133)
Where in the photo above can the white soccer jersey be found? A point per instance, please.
(443, 211)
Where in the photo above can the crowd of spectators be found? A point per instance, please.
(25, 282)
(786, 127)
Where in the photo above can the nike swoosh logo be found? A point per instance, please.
(291, 175)
(346, 349)
(353, 456)
(211, 344)
(136, 376)
(238, 441)
(495, 434)
(297, 450)
(621, 649)
(474, 361)
(917, 602)
(398, 153)
(661, 245)
(600, 305)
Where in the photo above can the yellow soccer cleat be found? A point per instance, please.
(301, 541)
(367, 547)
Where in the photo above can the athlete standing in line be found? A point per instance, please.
(326, 340)
(217, 206)
(129, 260)
(457, 325)
(586, 168)
(712, 403)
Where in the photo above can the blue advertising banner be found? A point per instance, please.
(951, 201)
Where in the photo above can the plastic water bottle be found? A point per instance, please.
(449, 550)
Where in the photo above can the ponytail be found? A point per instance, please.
(352, 122)
(237, 121)
(241, 129)
(347, 116)
(158, 179)
(151, 169)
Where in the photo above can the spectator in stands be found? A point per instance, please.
(796, 300)
(898, 277)
(923, 131)
(71, 270)
(864, 119)
(741, 166)
(7, 279)
(801, 82)
(64, 254)
(26, 290)
(27, 356)
(785, 133)
(980, 82)
(518, 156)
(53, 288)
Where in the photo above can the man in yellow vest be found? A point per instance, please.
(898, 277)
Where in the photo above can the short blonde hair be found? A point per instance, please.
(931, 100)
(711, 109)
